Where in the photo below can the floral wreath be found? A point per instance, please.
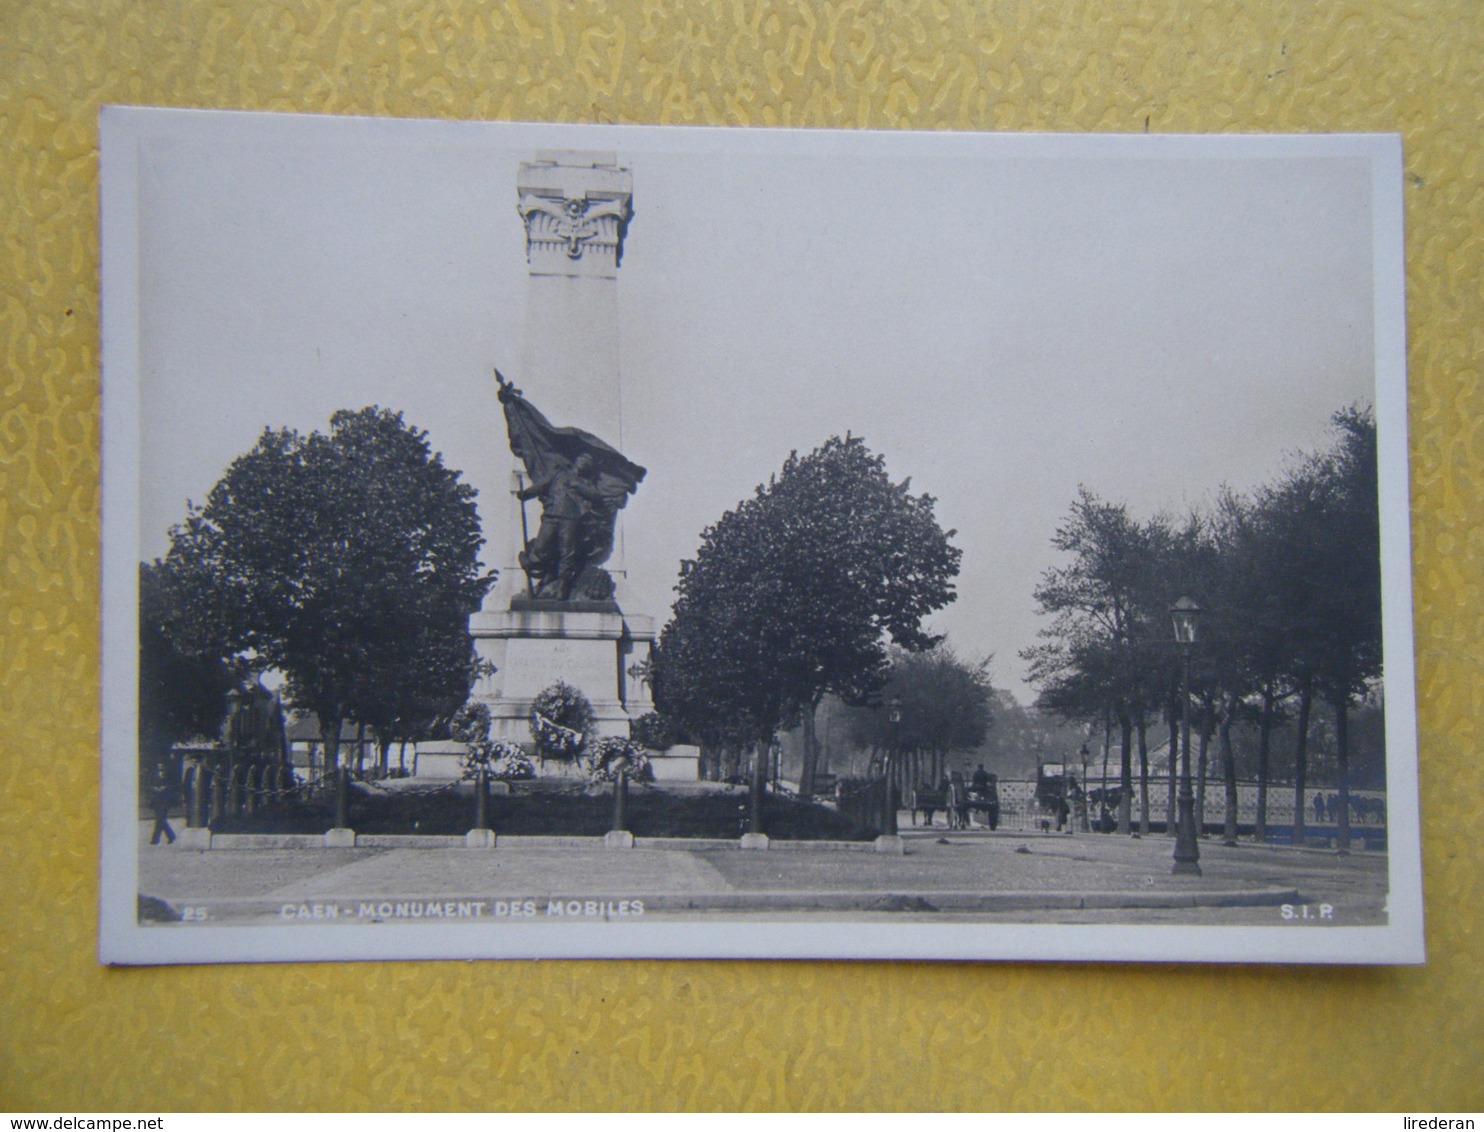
(561, 721)
(503, 760)
(509, 761)
(612, 754)
(555, 739)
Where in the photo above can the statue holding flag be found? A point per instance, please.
(582, 483)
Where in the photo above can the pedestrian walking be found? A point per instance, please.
(992, 802)
(1319, 807)
(954, 801)
(161, 798)
(961, 797)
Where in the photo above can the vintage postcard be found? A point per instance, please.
(560, 541)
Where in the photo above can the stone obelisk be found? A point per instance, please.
(576, 209)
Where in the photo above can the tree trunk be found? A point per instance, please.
(1174, 761)
(329, 737)
(731, 760)
(360, 749)
(1301, 761)
(810, 767)
(1143, 729)
(329, 734)
(1125, 771)
(1208, 727)
(759, 782)
(1229, 768)
(1342, 759)
(1264, 741)
(1107, 744)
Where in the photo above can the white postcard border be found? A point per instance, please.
(124, 940)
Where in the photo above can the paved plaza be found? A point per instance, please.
(1013, 877)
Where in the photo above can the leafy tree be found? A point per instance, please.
(347, 561)
(415, 688)
(945, 706)
(1104, 612)
(1183, 561)
(1232, 634)
(707, 669)
(793, 594)
(854, 559)
(181, 694)
(1290, 553)
(1022, 736)
(652, 731)
(1348, 653)
(1322, 527)
(1290, 580)
(1253, 540)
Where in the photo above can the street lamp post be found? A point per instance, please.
(1184, 615)
(1086, 816)
(894, 717)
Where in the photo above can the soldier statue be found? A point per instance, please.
(582, 483)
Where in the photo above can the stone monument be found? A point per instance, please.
(555, 613)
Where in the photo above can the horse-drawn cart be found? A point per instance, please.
(927, 801)
(982, 800)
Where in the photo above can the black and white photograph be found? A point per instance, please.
(544, 541)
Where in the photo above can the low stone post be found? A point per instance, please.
(481, 836)
(889, 841)
(481, 798)
(196, 819)
(342, 797)
(218, 797)
(341, 836)
(619, 837)
(621, 801)
(755, 797)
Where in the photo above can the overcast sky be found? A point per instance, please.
(1004, 317)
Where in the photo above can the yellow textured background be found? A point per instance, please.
(805, 1035)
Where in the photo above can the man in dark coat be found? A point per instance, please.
(161, 798)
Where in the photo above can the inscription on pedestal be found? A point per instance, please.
(533, 665)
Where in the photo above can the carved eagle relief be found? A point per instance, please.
(574, 222)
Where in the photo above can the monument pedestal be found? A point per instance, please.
(590, 645)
